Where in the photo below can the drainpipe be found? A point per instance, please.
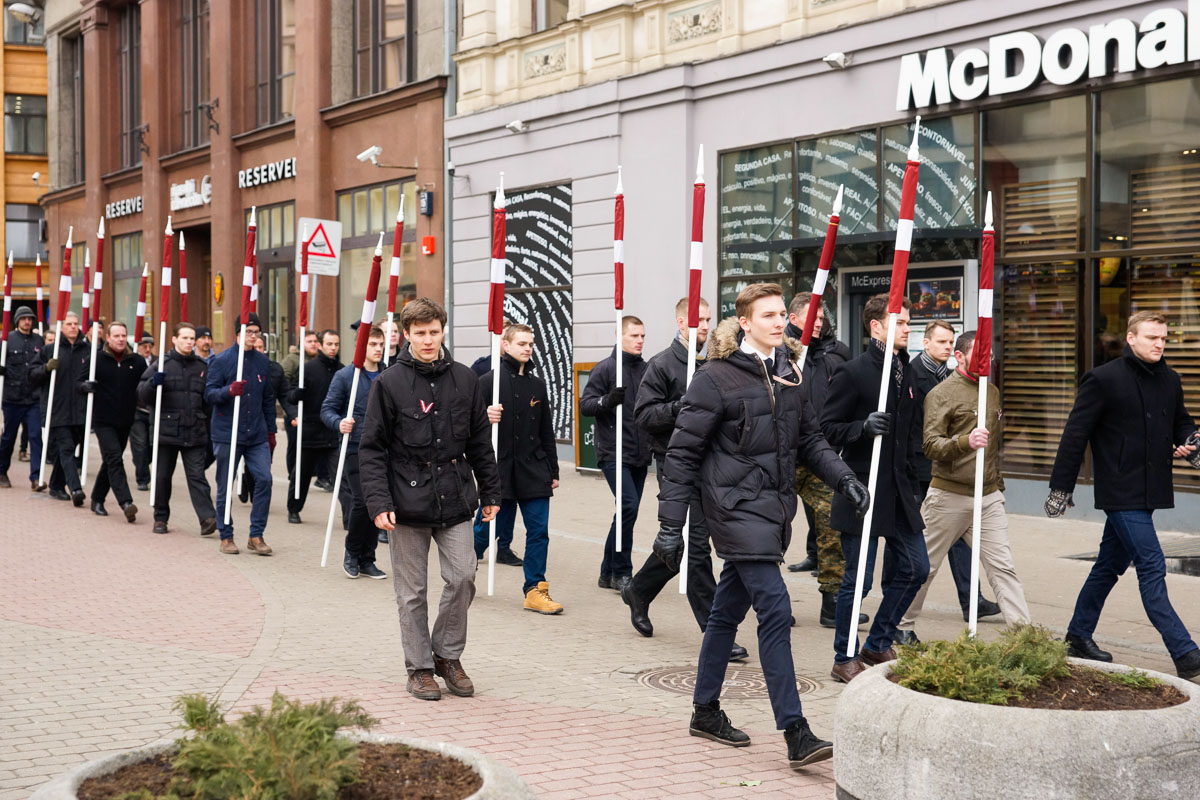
(449, 101)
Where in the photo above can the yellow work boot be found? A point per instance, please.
(538, 599)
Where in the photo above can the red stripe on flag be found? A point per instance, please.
(98, 276)
(364, 329)
(981, 356)
(139, 323)
(304, 294)
(694, 276)
(164, 294)
(810, 320)
(698, 212)
(41, 303)
(64, 298)
(908, 201)
(908, 193)
(86, 308)
(249, 262)
(394, 280)
(7, 325)
(619, 266)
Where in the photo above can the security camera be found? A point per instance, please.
(37, 176)
(836, 60)
(450, 167)
(24, 12)
(518, 126)
(371, 154)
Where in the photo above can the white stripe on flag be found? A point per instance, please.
(166, 276)
(904, 229)
(819, 283)
(98, 280)
(395, 268)
(619, 251)
(985, 303)
(247, 276)
(86, 300)
(141, 309)
(697, 256)
(253, 293)
(8, 304)
(183, 285)
(39, 293)
(368, 315)
(64, 283)
(304, 283)
(498, 270)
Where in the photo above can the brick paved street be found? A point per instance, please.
(103, 624)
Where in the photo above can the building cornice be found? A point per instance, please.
(392, 100)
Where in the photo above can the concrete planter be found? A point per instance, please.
(893, 743)
(499, 782)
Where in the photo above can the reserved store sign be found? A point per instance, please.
(1017, 61)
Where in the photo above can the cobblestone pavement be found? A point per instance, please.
(103, 624)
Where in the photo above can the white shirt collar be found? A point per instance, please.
(750, 349)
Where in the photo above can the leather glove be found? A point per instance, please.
(271, 441)
(87, 387)
(158, 378)
(668, 545)
(51, 364)
(1193, 440)
(295, 395)
(237, 388)
(850, 488)
(877, 423)
(3, 370)
(614, 398)
(1058, 502)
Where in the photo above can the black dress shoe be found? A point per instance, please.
(1085, 647)
(738, 653)
(130, 511)
(903, 638)
(638, 611)
(78, 498)
(604, 582)
(986, 609)
(59, 494)
(143, 487)
(508, 557)
(807, 565)
(98, 509)
(293, 518)
(1188, 667)
(804, 747)
(160, 526)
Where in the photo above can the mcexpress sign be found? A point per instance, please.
(1017, 61)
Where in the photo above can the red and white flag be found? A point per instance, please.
(696, 261)
(164, 280)
(139, 324)
(619, 246)
(249, 290)
(394, 268)
(368, 310)
(819, 283)
(904, 225)
(981, 356)
(64, 281)
(98, 275)
(41, 300)
(499, 263)
(85, 297)
(183, 287)
(7, 325)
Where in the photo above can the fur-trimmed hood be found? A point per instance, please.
(727, 340)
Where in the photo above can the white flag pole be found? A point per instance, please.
(304, 278)
(696, 264)
(54, 375)
(491, 581)
(244, 312)
(91, 397)
(981, 422)
(162, 359)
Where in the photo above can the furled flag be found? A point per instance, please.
(981, 356)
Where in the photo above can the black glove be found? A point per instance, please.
(668, 545)
(850, 488)
(1192, 441)
(158, 378)
(87, 387)
(51, 364)
(877, 423)
(676, 407)
(3, 370)
(295, 395)
(614, 398)
(1058, 502)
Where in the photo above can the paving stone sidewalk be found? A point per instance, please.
(103, 624)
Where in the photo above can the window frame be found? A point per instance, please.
(268, 77)
(129, 54)
(24, 121)
(195, 18)
(375, 49)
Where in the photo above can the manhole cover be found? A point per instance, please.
(741, 683)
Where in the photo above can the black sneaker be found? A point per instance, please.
(350, 566)
(369, 570)
(804, 747)
(986, 609)
(604, 582)
(1188, 667)
(710, 722)
(294, 518)
(78, 497)
(1085, 647)
(382, 537)
(905, 638)
(58, 494)
(508, 557)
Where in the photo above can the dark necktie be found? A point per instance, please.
(770, 364)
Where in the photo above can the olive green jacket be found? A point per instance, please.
(951, 413)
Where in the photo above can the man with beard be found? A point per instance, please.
(319, 443)
(118, 371)
(20, 401)
(70, 403)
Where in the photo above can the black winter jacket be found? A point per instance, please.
(117, 388)
(602, 380)
(318, 374)
(23, 350)
(741, 436)
(824, 356)
(426, 431)
(279, 382)
(184, 415)
(74, 363)
(923, 383)
(853, 394)
(528, 457)
(660, 395)
(1133, 416)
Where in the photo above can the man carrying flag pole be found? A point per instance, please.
(394, 281)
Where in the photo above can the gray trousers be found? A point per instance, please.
(409, 548)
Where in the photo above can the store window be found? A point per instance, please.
(364, 214)
(18, 32)
(194, 41)
(947, 196)
(130, 51)
(757, 207)
(127, 266)
(25, 124)
(381, 45)
(275, 60)
(822, 165)
(22, 230)
(275, 249)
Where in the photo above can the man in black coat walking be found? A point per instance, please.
(318, 444)
(1130, 410)
(183, 428)
(744, 425)
(20, 401)
(70, 402)
(118, 370)
(425, 442)
(600, 399)
(528, 462)
(851, 420)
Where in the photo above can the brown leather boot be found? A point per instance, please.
(257, 545)
(422, 686)
(848, 671)
(871, 658)
(451, 671)
(229, 548)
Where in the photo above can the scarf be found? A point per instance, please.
(939, 370)
(897, 364)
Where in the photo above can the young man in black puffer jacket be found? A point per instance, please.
(744, 426)
(118, 370)
(183, 428)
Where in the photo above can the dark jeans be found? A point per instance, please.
(959, 559)
(1129, 538)
(911, 570)
(745, 585)
(112, 474)
(139, 446)
(258, 466)
(654, 574)
(63, 441)
(504, 533)
(310, 458)
(633, 481)
(194, 459)
(361, 536)
(535, 513)
(14, 416)
(291, 447)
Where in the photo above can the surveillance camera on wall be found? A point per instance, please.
(836, 60)
(518, 126)
(450, 167)
(371, 154)
(37, 176)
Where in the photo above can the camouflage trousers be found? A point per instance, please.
(817, 498)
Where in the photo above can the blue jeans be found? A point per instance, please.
(258, 467)
(633, 480)
(31, 417)
(743, 585)
(535, 513)
(1129, 538)
(911, 569)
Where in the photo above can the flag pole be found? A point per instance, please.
(360, 355)
(85, 296)
(164, 306)
(90, 329)
(97, 284)
(393, 281)
(64, 300)
(183, 287)
(7, 319)
(41, 307)
(139, 321)
(243, 312)
(300, 374)
(496, 327)
(818, 290)
(619, 306)
(241, 470)
(904, 227)
(981, 358)
(695, 273)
